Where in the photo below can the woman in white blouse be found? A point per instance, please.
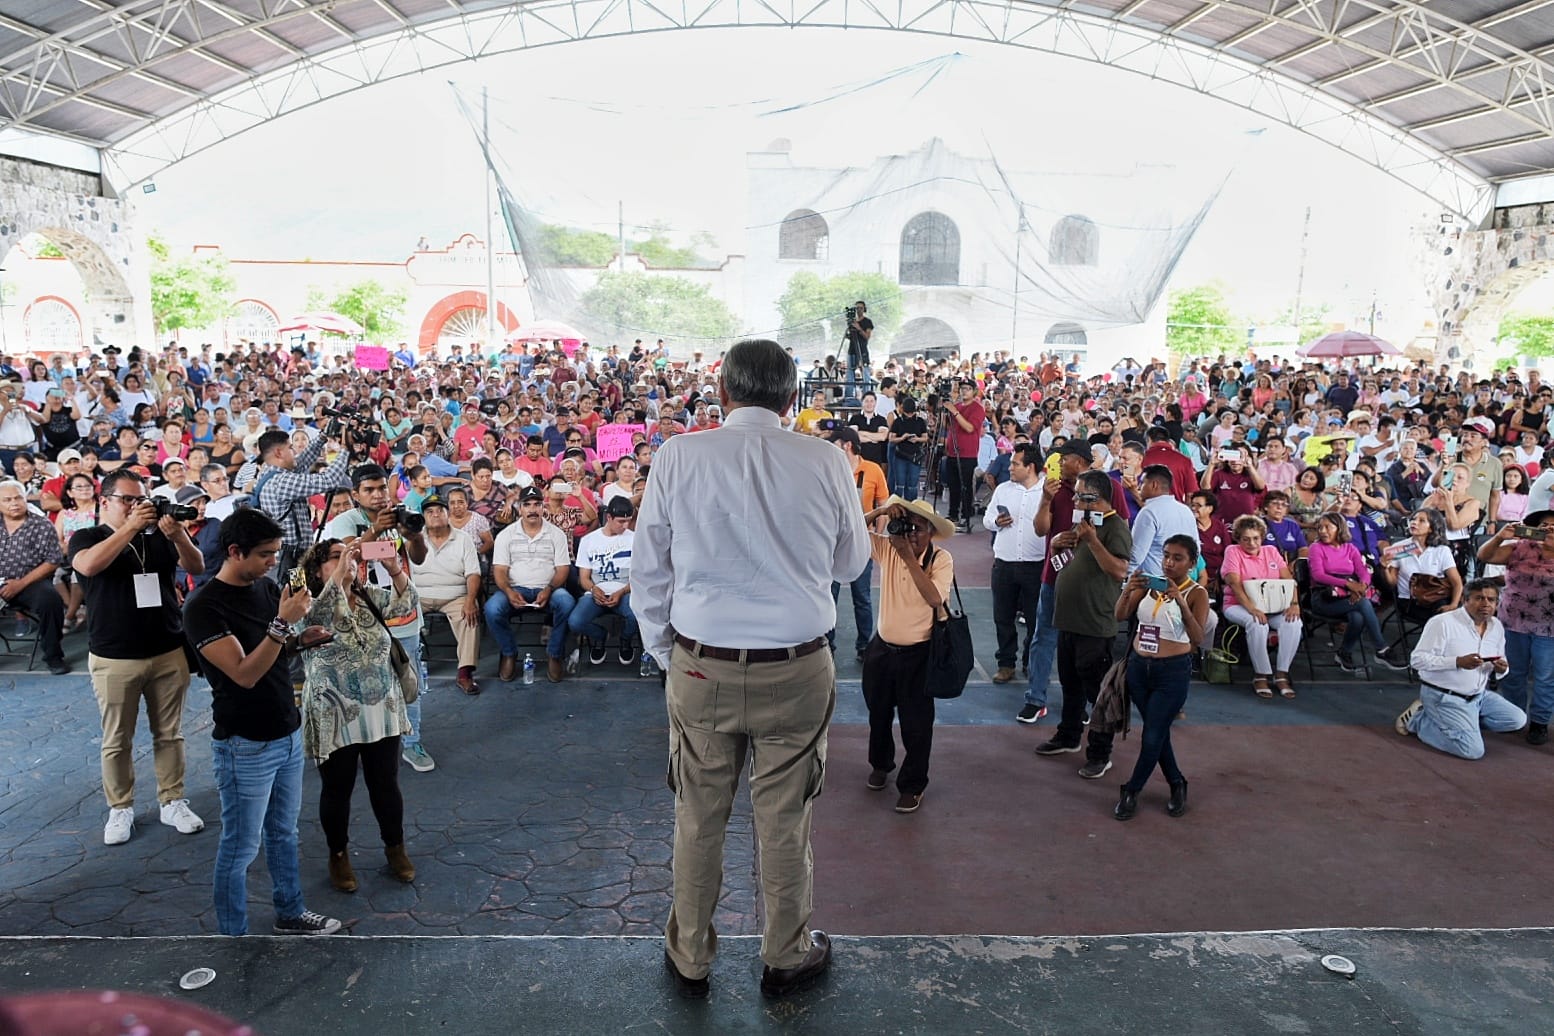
(1424, 553)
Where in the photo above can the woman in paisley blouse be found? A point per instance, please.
(353, 711)
(1527, 609)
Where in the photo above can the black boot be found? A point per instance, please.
(1127, 804)
(1178, 804)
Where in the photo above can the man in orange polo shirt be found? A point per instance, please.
(873, 490)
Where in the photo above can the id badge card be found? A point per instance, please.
(1061, 558)
(148, 590)
(1149, 639)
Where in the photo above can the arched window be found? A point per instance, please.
(804, 235)
(930, 336)
(1076, 241)
(1066, 333)
(52, 326)
(930, 250)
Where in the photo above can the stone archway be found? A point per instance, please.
(1480, 272)
(436, 317)
(95, 233)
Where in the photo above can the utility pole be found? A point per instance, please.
(1014, 319)
(1300, 276)
(485, 133)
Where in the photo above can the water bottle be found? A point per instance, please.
(646, 668)
(528, 669)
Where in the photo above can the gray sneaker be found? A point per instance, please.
(419, 758)
(308, 924)
(1095, 769)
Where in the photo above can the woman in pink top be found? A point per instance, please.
(1252, 558)
(173, 443)
(1340, 584)
(1191, 400)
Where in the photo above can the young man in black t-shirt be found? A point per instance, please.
(240, 623)
(135, 646)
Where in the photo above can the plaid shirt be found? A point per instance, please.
(284, 490)
(32, 544)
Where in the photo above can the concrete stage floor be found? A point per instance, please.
(995, 908)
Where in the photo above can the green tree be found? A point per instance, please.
(1527, 334)
(657, 250)
(188, 292)
(1314, 321)
(653, 306)
(568, 246)
(811, 308)
(379, 310)
(1199, 322)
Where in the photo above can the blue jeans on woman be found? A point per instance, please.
(904, 476)
(1158, 687)
(261, 794)
(1531, 659)
(412, 646)
(1360, 616)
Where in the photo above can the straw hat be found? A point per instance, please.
(943, 528)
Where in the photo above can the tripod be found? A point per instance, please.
(857, 360)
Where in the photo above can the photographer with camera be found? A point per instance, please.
(965, 420)
(136, 646)
(859, 330)
(286, 481)
(385, 532)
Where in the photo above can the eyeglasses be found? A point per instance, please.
(125, 496)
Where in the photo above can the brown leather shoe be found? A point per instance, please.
(1004, 675)
(399, 864)
(554, 670)
(341, 876)
(507, 668)
(782, 981)
(467, 683)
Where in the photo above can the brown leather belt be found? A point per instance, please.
(749, 654)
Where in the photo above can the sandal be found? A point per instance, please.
(1286, 689)
(1260, 685)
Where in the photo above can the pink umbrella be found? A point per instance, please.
(326, 323)
(1348, 343)
(547, 331)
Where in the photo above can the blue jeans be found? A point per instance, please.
(261, 793)
(1529, 657)
(1360, 615)
(904, 476)
(1451, 724)
(1044, 647)
(499, 610)
(585, 615)
(1158, 687)
(863, 608)
(412, 646)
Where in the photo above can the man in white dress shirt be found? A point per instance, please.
(1018, 554)
(732, 591)
(1454, 657)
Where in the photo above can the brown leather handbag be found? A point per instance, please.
(1428, 589)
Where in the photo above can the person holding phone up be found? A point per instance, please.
(1171, 610)
(1527, 551)
(1457, 652)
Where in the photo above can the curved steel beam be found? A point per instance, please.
(1262, 89)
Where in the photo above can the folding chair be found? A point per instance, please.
(1314, 621)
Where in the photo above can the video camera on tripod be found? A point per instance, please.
(348, 422)
(850, 315)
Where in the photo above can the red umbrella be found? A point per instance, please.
(1348, 343)
(547, 331)
(328, 323)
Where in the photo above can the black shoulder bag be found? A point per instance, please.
(950, 655)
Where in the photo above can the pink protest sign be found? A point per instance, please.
(372, 357)
(613, 441)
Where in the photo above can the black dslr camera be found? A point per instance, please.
(411, 521)
(166, 508)
(899, 527)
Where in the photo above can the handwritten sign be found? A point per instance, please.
(372, 357)
(613, 441)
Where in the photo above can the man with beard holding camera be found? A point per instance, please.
(404, 533)
(136, 647)
(284, 484)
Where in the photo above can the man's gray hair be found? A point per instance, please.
(759, 372)
(210, 471)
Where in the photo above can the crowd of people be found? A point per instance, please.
(1237, 507)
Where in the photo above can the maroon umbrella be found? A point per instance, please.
(1348, 343)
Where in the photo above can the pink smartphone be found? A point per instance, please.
(377, 550)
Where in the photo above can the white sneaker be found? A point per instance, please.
(178, 814)
(121, 824)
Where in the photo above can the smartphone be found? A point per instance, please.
(1158, 583)
(1054, 467)
(1447, 478)
(377, 550)
(298, 580)
(1003, 510)
(1531, 532)
(1225, 454)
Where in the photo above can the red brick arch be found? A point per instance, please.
(437, 316)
